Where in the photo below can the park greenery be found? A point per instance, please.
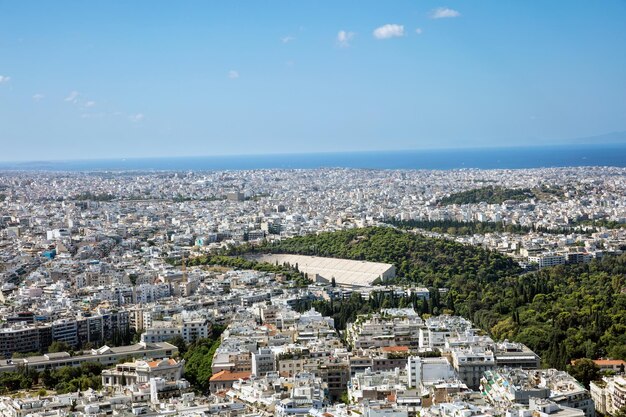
(489, 195)
(62, 380)
(563, 313)
(179, 198)
(89, 196)
(198, 357)
(73, 378)
(13, 381)
(59, 346)
(497, 195)
(458, 228)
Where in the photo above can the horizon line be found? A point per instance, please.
(338, 152)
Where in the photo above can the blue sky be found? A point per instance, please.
(160, 78)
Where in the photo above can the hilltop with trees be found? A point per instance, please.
(489, 195)
(497, 195)
(418, 259)
(563, 313)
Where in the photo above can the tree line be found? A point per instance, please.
(237, 262)
(459, 228)
(599, 223)
(344, 311)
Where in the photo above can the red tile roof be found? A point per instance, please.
(230, 376)
(395, 349)
(154, 364)
(609, 362)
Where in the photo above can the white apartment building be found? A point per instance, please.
(609, 394)
(263, 361)
(548, 259)
(426, 371)
(195, 329)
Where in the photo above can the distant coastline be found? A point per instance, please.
(438, 159)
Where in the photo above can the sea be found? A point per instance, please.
(433, 159)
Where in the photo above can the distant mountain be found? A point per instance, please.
(607, 138)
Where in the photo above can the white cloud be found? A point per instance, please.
(90, 103)
(73, 97)
(138, 117)
(4, 79)
(389, 31)
(419, 31)
(443, 12)
(233, 75)
(287, 39)
(38, 97)
(344, 38)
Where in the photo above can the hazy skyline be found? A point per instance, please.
(83, 80)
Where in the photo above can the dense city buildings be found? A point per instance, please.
(99, 274)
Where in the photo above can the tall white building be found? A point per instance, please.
(426, 371)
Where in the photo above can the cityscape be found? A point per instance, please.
(353, 208)
(152, 293)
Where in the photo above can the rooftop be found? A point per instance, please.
(230, 376)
